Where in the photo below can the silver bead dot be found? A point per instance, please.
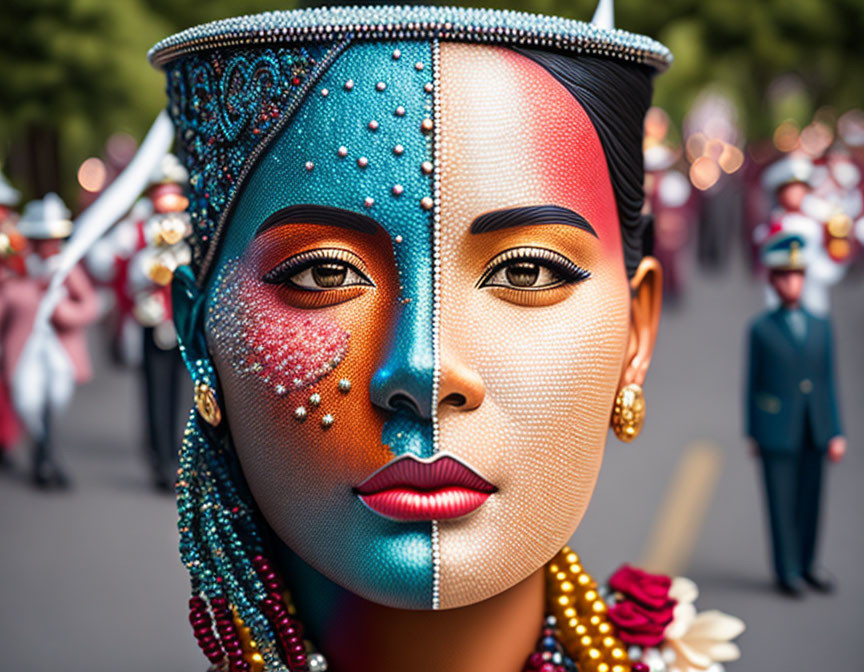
(368, 201)
(428, 87)
(362, 162)
(280, 388)
(327, 421)
(427, 167)
(380, 86)
(343, 151)
(427, 203)
(397, 54)
(344, 386)
(309, 165)
(399, 239)
(316, 662)
(418, 66)
(398, 150)
(397, 189)
(373, 125)
(400, 111)
(349, 85)
(315, 399)
(325, 92)
(300, 413)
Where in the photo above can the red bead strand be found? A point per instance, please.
(289, 630)
(202, 626)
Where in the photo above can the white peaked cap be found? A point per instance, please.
(787, 170)
(46, 218)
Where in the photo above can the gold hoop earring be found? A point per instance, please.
(628, 415)
(205, 402)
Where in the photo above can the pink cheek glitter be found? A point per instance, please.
(262, 336)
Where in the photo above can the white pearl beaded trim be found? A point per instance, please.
(414, 22)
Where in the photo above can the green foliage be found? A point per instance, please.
(77, 67)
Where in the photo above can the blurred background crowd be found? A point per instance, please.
(758, 127)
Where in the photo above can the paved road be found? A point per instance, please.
(90, 581)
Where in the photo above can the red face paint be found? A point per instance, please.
(284, 347)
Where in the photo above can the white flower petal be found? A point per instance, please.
(723, 651)
(683, 590)
(682, 618)
(715, 625)
(693, 656)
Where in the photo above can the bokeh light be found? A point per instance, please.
(92, 174)
(786, 136)
(704, 173)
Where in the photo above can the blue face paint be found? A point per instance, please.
(358, 142)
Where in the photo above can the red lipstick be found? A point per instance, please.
(411, 489)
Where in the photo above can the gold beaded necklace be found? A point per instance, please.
(571, 596)
(584, 628)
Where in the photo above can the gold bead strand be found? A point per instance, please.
(573, 598)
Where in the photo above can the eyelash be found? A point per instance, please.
(569, 272)
(293, 266)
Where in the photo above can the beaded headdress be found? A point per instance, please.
(232, 84)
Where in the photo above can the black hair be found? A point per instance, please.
(615, 95)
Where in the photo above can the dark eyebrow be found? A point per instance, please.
(531, 215)
(320, 214)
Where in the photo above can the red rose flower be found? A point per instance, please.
(649, 590)
(637, 626)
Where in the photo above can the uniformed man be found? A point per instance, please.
(792, 413)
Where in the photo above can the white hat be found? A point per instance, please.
(9, 196)
(46, 219)
(787, 170)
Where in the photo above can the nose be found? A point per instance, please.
(404, 381)
(460, 386)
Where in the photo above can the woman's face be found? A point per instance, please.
(419, 326)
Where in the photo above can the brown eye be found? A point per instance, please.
(329, 275)
(532, 276)
(320, 270)
(523, 274)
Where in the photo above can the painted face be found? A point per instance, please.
(419, 318)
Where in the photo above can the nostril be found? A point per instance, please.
(402, 402)
(454, 399)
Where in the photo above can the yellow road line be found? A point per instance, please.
(680, 518)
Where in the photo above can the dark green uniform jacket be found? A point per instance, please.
(791, 390)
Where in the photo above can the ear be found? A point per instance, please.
(646, 302)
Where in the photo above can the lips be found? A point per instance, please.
(411, 489)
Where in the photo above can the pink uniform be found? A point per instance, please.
(19, 301)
